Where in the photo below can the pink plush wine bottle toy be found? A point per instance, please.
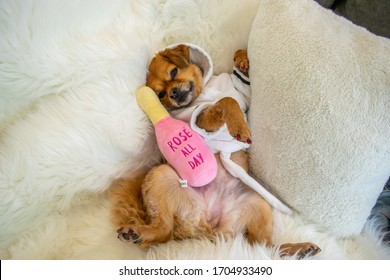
(184, 149)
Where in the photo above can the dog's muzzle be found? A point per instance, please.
(182, 95)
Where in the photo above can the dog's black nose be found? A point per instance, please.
(178, 94)
(181, 92)
(175, 93)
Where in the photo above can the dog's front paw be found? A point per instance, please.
(240, 130)
(241, 61)
(129, 235)
(243, 65)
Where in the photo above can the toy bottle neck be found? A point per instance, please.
(155, 112)
(150, 103)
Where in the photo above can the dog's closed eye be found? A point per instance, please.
(174, 72)
(161, 94)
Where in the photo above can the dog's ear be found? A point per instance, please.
(180, 56)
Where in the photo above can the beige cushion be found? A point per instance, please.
(320, 112)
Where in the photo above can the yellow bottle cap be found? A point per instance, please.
(150, 103)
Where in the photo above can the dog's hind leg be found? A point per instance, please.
(162, 197)
(257, 215)
(126, 199)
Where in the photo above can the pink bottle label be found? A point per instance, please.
(186, 151)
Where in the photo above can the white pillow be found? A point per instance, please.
(320, 112)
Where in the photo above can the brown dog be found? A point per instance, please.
(153, 208)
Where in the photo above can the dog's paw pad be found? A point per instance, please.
(129, 235)
(309, 250)
(124, 235)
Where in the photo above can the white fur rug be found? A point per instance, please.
(69, 125)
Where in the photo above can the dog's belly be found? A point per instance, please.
(220, 202)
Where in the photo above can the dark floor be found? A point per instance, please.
(381, 212)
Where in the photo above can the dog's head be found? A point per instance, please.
(173, 77)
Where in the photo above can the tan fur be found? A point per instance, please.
(226, 111)
(241, 61)
(153, 208)
(160, 80)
